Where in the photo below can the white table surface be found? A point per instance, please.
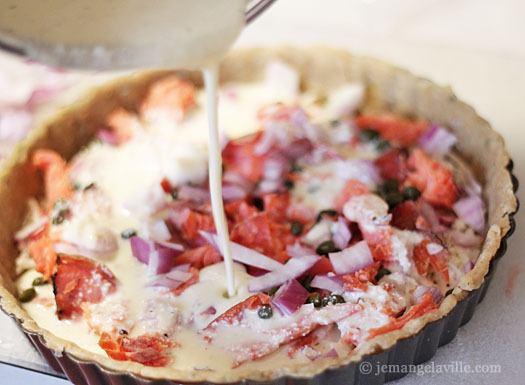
(477, 47)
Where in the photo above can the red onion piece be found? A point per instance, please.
(158, 257)
(194, 194)
(297, 250)
(31, 229)
(434, 248)
(107, 136)
(39, 96)
(362, 170)
(290, 297)
(430, 215)
(244, 254)
(468, 266)
(297, 149)
(465, 239)
(270, 186)
(294, 268)
(178, 275)
(171, 245)
(106, 248)
(437, 140)
(472, 211)
(265, 143)
(420, 291)
(341, 234)
(331, 354)
(184, 267)
(230, 177)
(163, 281)
(209, 311)
(232, 192)
(352, 258)
(326, 282)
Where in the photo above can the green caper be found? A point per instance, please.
(393, 199)
(60, 210)
(258, 203)
(411, 193)
(296, 228)
(335, 123)
(128, 233)
(332, 299)
(289, 184)
(174, 194)
(27, 295)
(273, 290)
(327, 212)
(368, 135)
(382, 145)
(39, 281)
(390, 185)
(296, 168)
(265, 312)
(381, 273)
(307, 281)
(326, 247)
(315, 299)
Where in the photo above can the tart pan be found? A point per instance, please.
(321, 69)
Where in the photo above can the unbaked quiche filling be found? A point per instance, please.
(343, 226)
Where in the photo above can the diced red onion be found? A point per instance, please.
(437, 140)
(362, 170)
(290, 297)
(209, 311)
(31, 229)
(434, 248)
(178, 275)
(326, 282)
(297, 149)
(420, 291)
(468, 266)
(158, 257)
(170, 245)
(297, 250)
(345, 100)
(294, 268)
(107, 136)
(232, 192)
(319, 233)
(184, 267)
(194, 194)
(275, 168)
(430, 215)
(351, 259)
(341, 234)
(466, 239)
(230, 177)
(270, 186)
(331, 354)
(472, 211)
(163, 281)
(265, 143)
(244, 254)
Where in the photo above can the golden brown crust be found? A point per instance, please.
(321, 69)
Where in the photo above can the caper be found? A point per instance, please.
(315, 299)
(128, 233)
(122, 332)
(382, 145)
(296, 168)
(258, 203)
(381, 273)
(296, 228)
(289, 184)
(368, 135)
(39, 281)
(326, 247)
(327, 212)
(335, 123)
(174, 194)
(390, 185)
(60, 209)
(27, 295)
(411, 193)
(307, 281)
(265, 312)
(273, 290)
(332, 299)
(393, 199)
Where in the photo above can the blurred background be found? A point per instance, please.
(475, 46)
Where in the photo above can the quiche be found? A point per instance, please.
(362, 204)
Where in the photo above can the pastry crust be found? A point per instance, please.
(321, 69)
